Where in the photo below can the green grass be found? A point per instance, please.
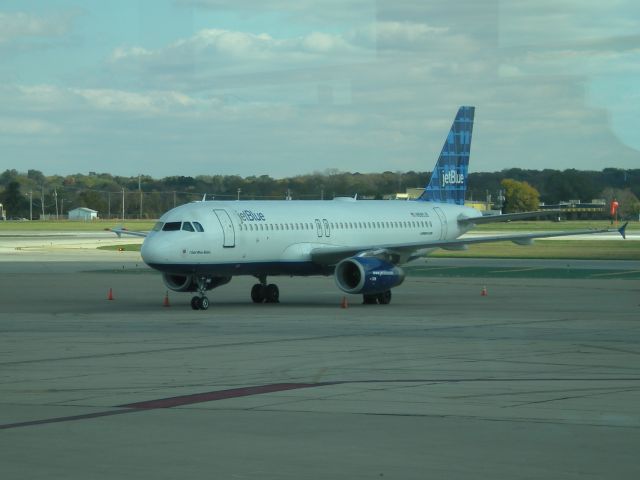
(547, 225)
(533, 272)
(550, 249)
(73, 226)
(129, 247)
(546, 249)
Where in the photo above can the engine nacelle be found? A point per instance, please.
(188, 283)
(367, 275)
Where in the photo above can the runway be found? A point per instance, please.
(540, 378)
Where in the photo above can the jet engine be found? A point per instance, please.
(367, 275)
(189, 283)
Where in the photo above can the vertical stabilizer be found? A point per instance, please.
(448, 182)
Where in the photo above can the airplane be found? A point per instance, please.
(202, 245)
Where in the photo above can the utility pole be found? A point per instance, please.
(140, 190)
(30, 204)
(55, 195)
(123, 204)
(239, 190)
(109, 204)
(42, 202)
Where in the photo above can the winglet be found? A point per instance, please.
(623, 230)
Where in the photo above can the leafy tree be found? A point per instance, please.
(519, 196)
(629, 203)
(93, 200)
(15, 204)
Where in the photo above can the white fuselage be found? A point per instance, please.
(277, 237)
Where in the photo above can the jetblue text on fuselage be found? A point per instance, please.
(249, 216)
(452, 178)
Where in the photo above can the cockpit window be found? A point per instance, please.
(171, 226)
(187, 226)
(158, 226)
(198, 227)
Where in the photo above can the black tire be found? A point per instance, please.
(384, 298)
(195, 303)
(204, 303)
(258, 293)
(272, 293)
(369, 299)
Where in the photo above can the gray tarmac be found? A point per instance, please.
(538, 379)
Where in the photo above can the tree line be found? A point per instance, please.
(32, 192)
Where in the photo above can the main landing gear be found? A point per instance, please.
(263, 293)
(200, 302)
(383, 298)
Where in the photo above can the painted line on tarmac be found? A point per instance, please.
(191, 399)
(608, 274)
(528, 269)
(171, 402)
(219, 395)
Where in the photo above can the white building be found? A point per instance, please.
(83, 213)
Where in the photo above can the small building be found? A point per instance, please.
(83, 213)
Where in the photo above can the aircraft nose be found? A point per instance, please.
(153, 251)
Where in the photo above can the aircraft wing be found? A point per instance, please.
(406, 252)
(123, 231)
(507, 217)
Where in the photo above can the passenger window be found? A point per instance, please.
(186, 226)
(198, 227)
(171, 226)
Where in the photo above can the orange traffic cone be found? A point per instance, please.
(344, 303)
(165, 302)
(110, 295)
(484, 293)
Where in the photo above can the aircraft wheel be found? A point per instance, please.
(369, 299)
(384, 298)
(272, 293)
(258, 293)
(204, 303)
(195, 303)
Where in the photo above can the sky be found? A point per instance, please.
(290, 87)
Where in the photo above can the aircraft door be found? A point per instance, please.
(443, 222)
(327, 231)
(228, 232)
(319, 228)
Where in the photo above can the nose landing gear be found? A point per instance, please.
(200, 302)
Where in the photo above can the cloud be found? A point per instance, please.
(308, 11)
(19, 126)
(20, 26)
(226, 51)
